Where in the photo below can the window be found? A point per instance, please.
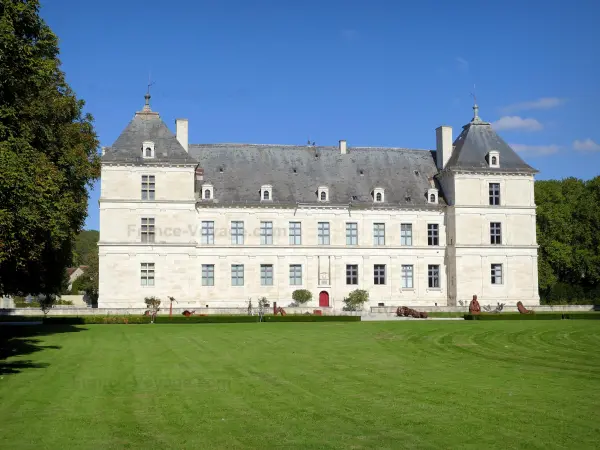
(295, 274)
(351, 273)
(493, 158)
(495, 233)
(433, 276)
(208, 191)
(378, 234)
(494, 194)
(406, 234)
(407, 276)
(378, 195)
(208, 274)
(496, 273)
(147, 274)
(433, 234)
(208, 232)
(351, 233)
(147, 230)
(147, 149)
(323, 193)
(323, 233)
(148, 187)
(266, 192)
(237, 274)
(379, 274)
(432, 195)
(237, 233)
(266, 274)
(295, 233)
(266, 233)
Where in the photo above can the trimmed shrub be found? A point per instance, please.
(98, 319)
(539, 316)
(311, 318)
(301, 296)
(584, 316)
(355, 300)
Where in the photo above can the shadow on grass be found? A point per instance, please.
(20, 340)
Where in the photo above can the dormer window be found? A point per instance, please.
(148, 149)
(432, 196)
(208, 192)
(266, 193)
(493, 158)
(323, 193)
(378, 195)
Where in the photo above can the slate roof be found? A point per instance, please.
(237, 172)
(474, 143)
(147, 126)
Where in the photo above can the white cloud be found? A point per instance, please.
(517, 123)
(540, 103)
(463, 64)
(586, 146)
(535, 150)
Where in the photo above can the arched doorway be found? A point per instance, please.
(323, 299)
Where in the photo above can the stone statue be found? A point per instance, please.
(474, 307)
(403, 311)
(522, 309)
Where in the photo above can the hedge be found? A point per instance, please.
(131, 319)
(540, 316)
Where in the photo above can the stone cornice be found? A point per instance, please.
(149, 164)
(305, 206)
(499, 208)
(483, 171)
(146, 202)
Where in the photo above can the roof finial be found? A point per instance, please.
(475, 107)
(147, 96)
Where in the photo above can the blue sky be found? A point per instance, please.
(376, 73)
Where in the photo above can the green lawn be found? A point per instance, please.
(407, 384)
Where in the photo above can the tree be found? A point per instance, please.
(301, 296)
(48, 155)
(568, 234)
(355, 300)
(85, 247)
(153, 304)
(88, 281)
(46, 303)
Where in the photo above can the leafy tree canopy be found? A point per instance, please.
(85, 248)
(48, 155)
(568, 233)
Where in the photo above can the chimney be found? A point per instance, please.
(343, 149)
(181, 126)
(443, 145)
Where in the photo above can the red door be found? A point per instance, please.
(324, 299)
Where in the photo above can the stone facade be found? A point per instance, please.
(232, 246)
